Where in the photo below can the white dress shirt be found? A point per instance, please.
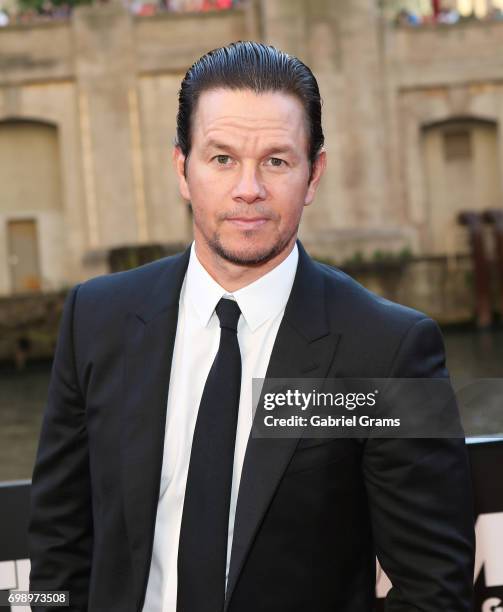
(262, 304)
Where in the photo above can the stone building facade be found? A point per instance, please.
(87, 118)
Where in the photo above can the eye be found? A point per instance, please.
(276, 162)
(222, 160)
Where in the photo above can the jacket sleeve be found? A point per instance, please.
(420, 500)
(60, 526)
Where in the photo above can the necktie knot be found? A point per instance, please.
(228, 313)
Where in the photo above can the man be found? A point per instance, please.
(149, 493)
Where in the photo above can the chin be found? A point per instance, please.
(251, 255)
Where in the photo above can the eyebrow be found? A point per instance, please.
(273, 150)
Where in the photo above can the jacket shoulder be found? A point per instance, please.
(344, 287)
(129, 278)
(127, 288)
(373, 328)
(369, 316)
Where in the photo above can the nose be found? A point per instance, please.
(249, 186)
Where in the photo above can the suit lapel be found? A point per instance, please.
(304, 347)
(149, 343)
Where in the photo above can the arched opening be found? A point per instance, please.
(30, 202)
(461, 164)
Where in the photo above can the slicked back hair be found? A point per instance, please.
(256, 67)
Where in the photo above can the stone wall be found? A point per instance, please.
(108, 83)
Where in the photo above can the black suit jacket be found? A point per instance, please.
(311, 514)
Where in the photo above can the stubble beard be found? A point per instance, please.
(252, 258)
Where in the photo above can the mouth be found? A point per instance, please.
(247, 222)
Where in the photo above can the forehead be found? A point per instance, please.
(246, 114)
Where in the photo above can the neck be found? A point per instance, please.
(233, 276)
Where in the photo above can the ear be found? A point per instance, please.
(179, 165)
(319, 165)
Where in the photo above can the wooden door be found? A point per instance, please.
(23, 256)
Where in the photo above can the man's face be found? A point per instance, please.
(247, 175)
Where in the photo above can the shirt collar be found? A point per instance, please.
(259, 301)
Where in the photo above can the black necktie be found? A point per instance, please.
(202, 551)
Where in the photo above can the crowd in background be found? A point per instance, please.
(446, 12)
(406, 12)
(11, 12)
(144, 7)
(448, 17)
